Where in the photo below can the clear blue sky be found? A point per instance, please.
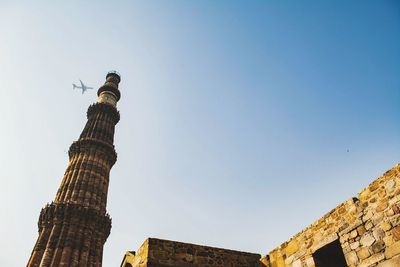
(236, 116)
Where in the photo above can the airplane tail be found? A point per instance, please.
(74, 86)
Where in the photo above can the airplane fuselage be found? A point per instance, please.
(83, 87)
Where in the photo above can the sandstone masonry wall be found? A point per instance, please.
(368, 228)
(165, 253)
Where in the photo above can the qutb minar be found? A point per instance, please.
(75, 226)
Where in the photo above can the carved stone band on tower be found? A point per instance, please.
(75, 226)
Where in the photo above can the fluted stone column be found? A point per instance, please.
(75, 226)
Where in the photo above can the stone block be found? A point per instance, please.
(353, 234)
(389, 212)
(392, 250)
(344, 238)
(297, 263)
(378, 246)
(395, 220)
(390, 263)
(280, 262)
(382, 194)
(346, 247)
(382, 206)
(351, 258)
(289, 260)
(396, 233)
(377, 218)
(367, 240)
(310, 262)
(368, 225)
(354, 245)
(372, 260)
(361, 229)
(394, 200)
(363, 253)
(344, 227)
(396, 209)
(386, 226)
(388, 240)
(292, 248)
(364, 195)
(389, 186)
(378, 234)
(374, 186)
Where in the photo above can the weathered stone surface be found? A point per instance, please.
(351, 258)
(382, 206)
(388, 240)
(309, 262)
(367, 240)
(386, 226)
(353, 234)
(378, 246)
(363, 253)
(354, 245)
(396, 233)
(289, 260)
(292, 247)
(372, 260)
(75, 226)
(378, 234)
(377, 219)
(374, 186)
(390, 263)
(361, 230)
(280, 262)
(158, 252)
(396, 209)
(369, 225)
(297, 263)
(364, 195)
(368, 228)
(392, 250)
(390, 186)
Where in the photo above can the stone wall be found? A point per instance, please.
(364, 231)
(165, 253)
(368, 228)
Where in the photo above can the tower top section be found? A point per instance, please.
(115, 74)
(110, 86)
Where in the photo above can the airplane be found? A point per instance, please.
(83, 87)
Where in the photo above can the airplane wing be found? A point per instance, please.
(83, 87)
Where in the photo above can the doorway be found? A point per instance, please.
(330, 255)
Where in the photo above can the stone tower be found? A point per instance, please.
(75, 226)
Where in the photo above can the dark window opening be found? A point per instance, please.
(330, 255)
(128, 265)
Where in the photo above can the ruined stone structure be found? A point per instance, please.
(362, 231)
(75, 226)
(165, 253)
